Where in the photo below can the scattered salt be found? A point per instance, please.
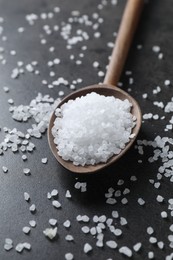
(26, 230)
(141, 201)
(67, 224)
(112, 244)
(68, 194)
(44, 160)
(56, 204)
(26, 196)
(32, 223)
(87, 248)
(52, 221)
(69, 238)
(126, 251)
(69, 256)
(54, 192)
(50, 232)
(32, 208)
(137, 247)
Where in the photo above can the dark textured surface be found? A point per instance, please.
(155, 28)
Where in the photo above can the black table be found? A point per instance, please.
(79, 33)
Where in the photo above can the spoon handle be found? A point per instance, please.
(124, 38)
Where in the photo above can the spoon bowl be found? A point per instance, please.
(106, 90)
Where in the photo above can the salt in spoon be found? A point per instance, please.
(108, 88)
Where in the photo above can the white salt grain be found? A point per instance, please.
(26, 196)
(164, 214)
(126, 251)
(160, 244)
(69, 238)
(56, 204)
(111, 201)
(123, 221)
(159, 198)
(54, 192)
(68, 194)
(32, 208)
(156, 48)
(8, 247)
(124, 201)
(137, 247)
(95, 64)
(167, 82)
(171, 228)
(32, 223)
(44, 160)
(150, 255)
(27, 171)
(153, 240)
(5, 169)
(27, 245)
(117, 232)
(67, 224)
(150, 230)
(19, 247)
(26, 230)
(112, 244)
(87, 248)
(141, 201)
(69, 256)
(85, 229)
(52, 221)
(24, 157)
(50, 232)
(115, 214)
(8, 241)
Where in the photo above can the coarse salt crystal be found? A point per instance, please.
(67, 224)
(141, 201)
(151, 255)
(164, 214)
(159, 198)
(160, 244)
(56, 204)
(69, 238)
(156, 48)
(52, 221)
(26, 230)
(85, 229)
(32, 208)
(5, 169)
(69, 256)
(19, 247)
(137, 247)
(50, 232)
(68, 194)
(167, 82)
(27, 171)
(8, 247)
(54, 192)
(112, 244)
(153, 240)
(126, 251)
(87, 248)
(44, 160)
(32, 223)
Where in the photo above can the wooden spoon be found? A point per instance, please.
(124, 38)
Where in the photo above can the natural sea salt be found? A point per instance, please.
(92, 128)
